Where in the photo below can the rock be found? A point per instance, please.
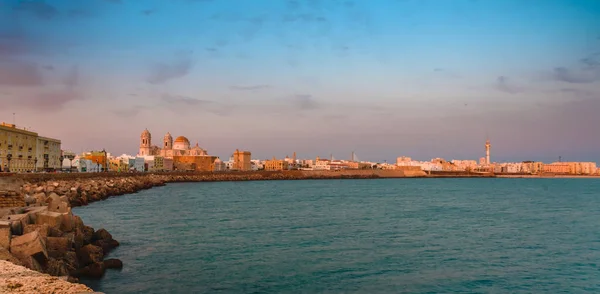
(5, 255)
(5, 237)
(29, 200)
(88, 233)
(17, 279)
(59, 206)
(102, 234)
(53, 219)
(39, 189)
(29, 245)
(89, 254)
(71, 261)
(94, 270)
(18, 222)
(34, 211)
(61, 244)
(113, 263)
(40, 197)
(55, 267)
(42, 229)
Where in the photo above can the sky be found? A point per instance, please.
(382, 78)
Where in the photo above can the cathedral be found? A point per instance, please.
(179, 147)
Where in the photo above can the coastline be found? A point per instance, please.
(35, 210)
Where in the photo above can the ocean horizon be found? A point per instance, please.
(354, 236)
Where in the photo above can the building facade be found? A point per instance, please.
(276, 164)
(241, 160)
(169, 147)
(48, 154)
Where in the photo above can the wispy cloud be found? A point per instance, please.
(249, 88)
(20, 73)
(503, 84)
(40, 8)
(164, 72)
(305, 102)
(148, 11)
(56, 99)
(180, 104)
(586, 71)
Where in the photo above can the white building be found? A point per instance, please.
(219, 165)
(139, 164)
(48, 153)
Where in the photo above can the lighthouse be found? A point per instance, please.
(487, 151)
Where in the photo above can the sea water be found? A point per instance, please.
(355, 236)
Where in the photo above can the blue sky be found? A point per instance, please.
(383, 78)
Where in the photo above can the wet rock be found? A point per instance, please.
(113, 263)
(89, 254)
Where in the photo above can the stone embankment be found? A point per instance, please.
(18, 279)
(46, 237)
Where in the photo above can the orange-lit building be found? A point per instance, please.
(193, 163)
(97, 157)
(241, 160)
(276, 164)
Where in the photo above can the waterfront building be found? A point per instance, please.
(99, 158)
(48, 154)
(219, 165)
(19, 150)
(276, 164)
(193, 163)
(179, 147)
(241, 160)
(139, 164)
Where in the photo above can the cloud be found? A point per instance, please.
(130, 111)
(503, 84)
(19, 73)
(55, 99)
(305, 102)
(180, 104)
(148, 11)
(40, 8)
(182, 100)
(587, 71)
(249, 88)
(163, 72)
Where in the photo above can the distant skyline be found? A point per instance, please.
(383, 78)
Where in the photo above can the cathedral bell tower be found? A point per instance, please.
(168, 142)
(145, 143)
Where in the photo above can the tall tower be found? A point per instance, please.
(487, 151)
(145, 143)
(168, 142)
(294, 157)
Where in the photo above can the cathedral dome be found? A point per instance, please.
(168, 136)
(181, 143)
(146, 133)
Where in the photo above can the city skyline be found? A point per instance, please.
(382, 78)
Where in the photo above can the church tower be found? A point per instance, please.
(487, 151)
(145, 143)
(168, 142)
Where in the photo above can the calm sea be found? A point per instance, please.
(355, 236)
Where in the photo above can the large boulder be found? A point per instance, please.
(5, 237)
(60, 244)
(113, 263)
(95, 270)
(89, 254)
(53, 219)
(29, 245)
(42, 229)
(56, 267)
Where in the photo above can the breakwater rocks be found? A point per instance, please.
(81, 189)
(18, 279)
(46, 237)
